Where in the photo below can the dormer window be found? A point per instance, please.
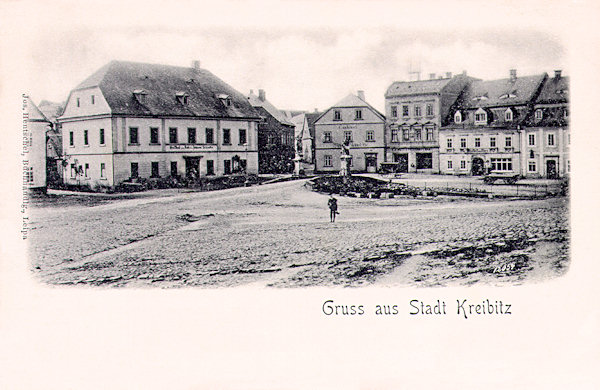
(508, 115)
(480, 98)
(140, 96)
(539, 114)
(225, 99)
(509, 95)
(480, 117)
(182, 97)
(457, 117)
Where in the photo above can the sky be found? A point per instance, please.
(302, 62)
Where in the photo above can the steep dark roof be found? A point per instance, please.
(503, 92)
(311, 118)
(119, 79)
(555, 90)
(255, 101)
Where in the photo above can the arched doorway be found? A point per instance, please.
(477, 166)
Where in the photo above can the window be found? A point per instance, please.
(133, 135)
(86, 138)
(71, 139)
(227, 166)
(395, 135)
(457, 117)
(463, 164)
(358, 115)
(405, 134)
(347, 136)
(93, 99)
(568, 165)
(480, 117)
(417, 110)
(463, 143)
(173, 135)
(394, 111)
(492, 142)
(429, 110)
(550, 139)
(154, 169)
(477, 142)
(102, 141)
(226, 137)
(449, 164)
(210, 137)
(501, 164)
(337, 115)
(73, 170)
(134, 170)
(508, 115)
(87, 169)
(539, 114)
(326, 136)
(102, 170)
(531, 154)
(531, 139)
(243, 137)
(565, 113)
(449, 143)
(154, 135)
(429, 135)
(78, 102)
(29, 175)
(191, 135)
(405, 110)
(424, 160)
(173, 168)
(417, 133)
(508, 142)
(210, 167)
(370, 136)
(327, 161)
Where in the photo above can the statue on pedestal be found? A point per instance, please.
(345, 159)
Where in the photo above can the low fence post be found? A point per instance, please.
(517, 190)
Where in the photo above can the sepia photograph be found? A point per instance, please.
(221, 185)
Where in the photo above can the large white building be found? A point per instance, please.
(134, 120)
(34, 147)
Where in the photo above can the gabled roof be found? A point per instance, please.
(34, 113)
(51, 110)
(255, 101)
(352, 100)
(119, 79)
(555, 90)
(503, 92)
(311, 118)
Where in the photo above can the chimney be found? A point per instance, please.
(316, 110)
(557, 74)
(431, 76)
(196, 65)
(361, 94)
(464, 72)
(448, 75)
(261, 95)
(513, 74)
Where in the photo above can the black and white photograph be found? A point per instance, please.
(370, 187)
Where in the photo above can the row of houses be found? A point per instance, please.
(456, 125)
(130, 121)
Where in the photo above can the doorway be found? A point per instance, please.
(192, 167)
(401, 159)
(371, 162)
(477, 166)
(551, 169)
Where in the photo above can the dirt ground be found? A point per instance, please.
(279, 235)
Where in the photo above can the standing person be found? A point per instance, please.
(332, 203)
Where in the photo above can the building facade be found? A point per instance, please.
(483, 129)
(34, 147)
(545, 137)
(354, 122)
(276, 141)
(414, 111)
(132, 120)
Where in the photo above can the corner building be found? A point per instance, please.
(135, 120)
(415, 110)
(352, 120)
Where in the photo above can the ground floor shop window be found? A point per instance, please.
(501, 164)
(327, 161)
(449, 164)
(463, 165)
(210, 167)
(154, 169)
(424, 161)
(531, 166)
(102, 170)
(173, 168)
(134, 170)
(227, 166)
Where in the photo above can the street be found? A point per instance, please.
(279, 235)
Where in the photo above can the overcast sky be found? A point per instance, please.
(300, 65)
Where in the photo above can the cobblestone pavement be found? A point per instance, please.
(279, 235)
